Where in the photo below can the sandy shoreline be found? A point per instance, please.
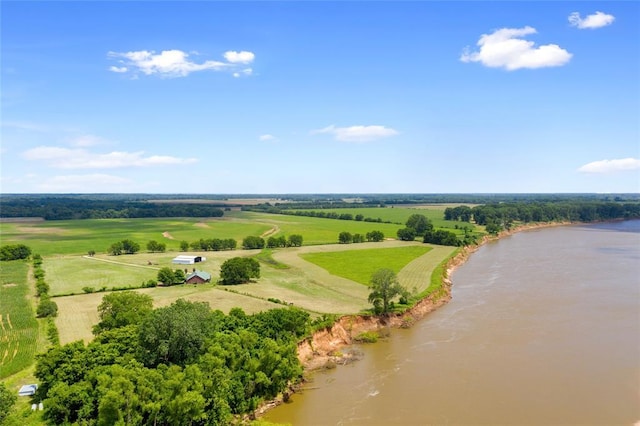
(330, 347)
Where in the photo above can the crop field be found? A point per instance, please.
(359, 265)
(18, 325)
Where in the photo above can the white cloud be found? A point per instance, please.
(504, 48)
(611, 166)
(243, 57)
(357, 133)
(170, 63)
(84, 183)
(596, 20)
(65, 158)
(118, 69)
(267, 138)
(246, 71)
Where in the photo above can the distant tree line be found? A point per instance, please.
(498, 216)
(181, 364)
(63, 208)
(319, 214)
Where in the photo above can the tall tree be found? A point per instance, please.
(384, 287)
(120, 309)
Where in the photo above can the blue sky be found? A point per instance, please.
(320, 97)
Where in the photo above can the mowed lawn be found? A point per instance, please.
(18, 324)
(78, 314)
(360, 265)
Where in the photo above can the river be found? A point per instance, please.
(543, 329)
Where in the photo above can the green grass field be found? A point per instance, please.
(18, 325)
(359, 265)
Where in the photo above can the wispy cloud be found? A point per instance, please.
(66, 158)
(267, 137)
(175, 63)
(83, 183)
(611, 166)
(357, 133)
(505, 48)
(596, 20)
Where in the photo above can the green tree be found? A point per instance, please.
(419, 223)
(46, 307)
(295, 240)
(154, 246)
(253, 242)
(7, 401)
(239, 270)
(130, 247)
(116, 248)
(345, 237)
(406, 234)
(184, 246)
(375, 236)
(120, 309)
(166, 276)
(179, 276)
(384, 287)
(175, 334)
(14, 252)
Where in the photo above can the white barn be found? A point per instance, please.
(184, 259)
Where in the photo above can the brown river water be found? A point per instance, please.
(543, 329)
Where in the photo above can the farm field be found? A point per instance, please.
(359, 265)
(320, 277)
(19, 329)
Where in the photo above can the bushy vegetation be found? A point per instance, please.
(14, 252)
(181, 364)
(125, 246)
(239, 270)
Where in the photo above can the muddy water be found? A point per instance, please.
(543, 328)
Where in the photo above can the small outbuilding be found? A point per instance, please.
(28, 390)
(184, 259)
(198, 277)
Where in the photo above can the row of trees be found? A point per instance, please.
(347, 237)
(210, 244)
(125, 246)
(182, 364)
(46, 306)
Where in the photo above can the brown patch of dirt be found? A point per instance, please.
(9, 285)
(270, 232)
(168, 235)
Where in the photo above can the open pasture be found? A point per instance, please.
(61, 237)
(316, 231)
(398, 215)
(359, 265)
(18, 326)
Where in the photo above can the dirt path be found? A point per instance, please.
(271, 231)
(166, 234)
(121, 263)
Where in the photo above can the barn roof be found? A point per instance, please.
(204, 275)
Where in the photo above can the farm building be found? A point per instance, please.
(184, 259)
(198, 277)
